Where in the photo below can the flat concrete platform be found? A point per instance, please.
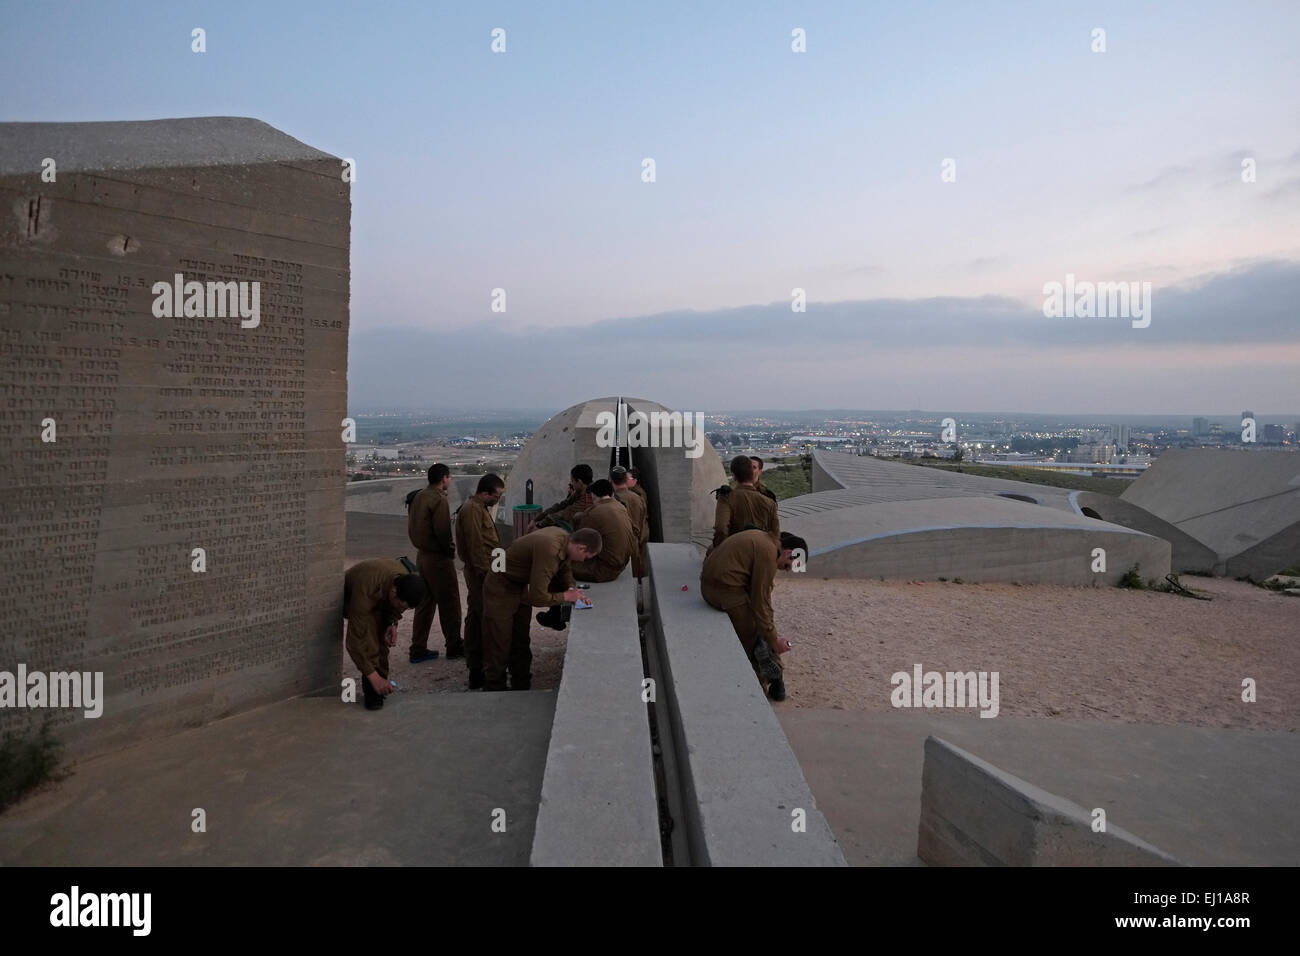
(309, 781)
(1208, 797)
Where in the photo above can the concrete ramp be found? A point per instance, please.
(973, 814)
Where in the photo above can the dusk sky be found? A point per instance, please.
(774, 170)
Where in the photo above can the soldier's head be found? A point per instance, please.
(742, 469)
(579, 478)
(758, 466)
(791, 546)
(601, 488)
(584, 543)
(618, 476)
(489, 489)
(633, 477)
(440, 475)
(407, 591)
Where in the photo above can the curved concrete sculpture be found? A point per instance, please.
(877, 480)
(970, 537)
(1242, 505)
(1186, 554)
(862, 480)
(678, 486)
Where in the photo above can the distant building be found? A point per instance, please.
(1247, 414)
(1200, 427)
(388, 453)
(1093, 454)
(1119, 436)
(1273, 434)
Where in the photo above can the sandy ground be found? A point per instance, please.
(1104, 654)
(445, 675)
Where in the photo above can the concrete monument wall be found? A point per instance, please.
(140, 424)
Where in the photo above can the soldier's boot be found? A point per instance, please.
(476, 679)
(552, 617)
(769, 668)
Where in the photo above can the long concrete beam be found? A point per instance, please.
(745, 798)
(599, 806)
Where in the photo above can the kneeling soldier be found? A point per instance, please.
(538, 573)
(738, 577)
(610, 517)
(578, 501)
(375, 593)
(636, 510)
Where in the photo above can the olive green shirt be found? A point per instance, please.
(742, 569)
(428, 524)
(368, 611)
(745, 506)
(534, 560)
(476, 535)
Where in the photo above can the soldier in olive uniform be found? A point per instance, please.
(578, 501)
(476, 537)
(538, 573)
(618, 538)
(636, 510)
(634, 484)
(375, 593)
(743, 507)
(737, 577)
(761, 488)
(428, 525)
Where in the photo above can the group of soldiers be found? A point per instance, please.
(593, 534)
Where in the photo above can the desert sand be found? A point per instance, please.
(1105, 654)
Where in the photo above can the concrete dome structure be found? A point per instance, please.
(677, 486)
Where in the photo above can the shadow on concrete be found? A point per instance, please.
(309, 781)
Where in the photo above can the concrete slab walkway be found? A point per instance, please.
(1209, 797)
(310, 781)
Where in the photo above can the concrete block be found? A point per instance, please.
(175, 432)
(599, 806)
(743, 787)
(973, 814)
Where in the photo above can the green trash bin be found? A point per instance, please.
(523, 515)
